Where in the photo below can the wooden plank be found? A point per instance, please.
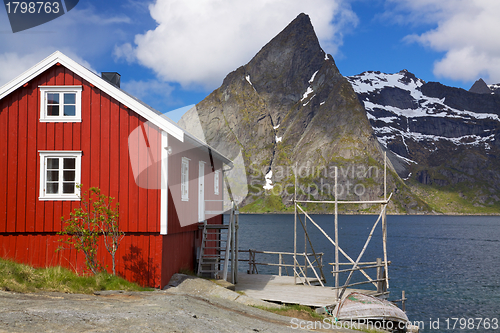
(144, 162)
(12, 163)
(133, 213)
(283, 289)
(49, 216)
(77, 127)
(95, 138)
(154, 203)
(4, 111)
(22, 160)
(124, 168)
(105, 143)
(114, 152)
(41, 144)
(50, 143)
(32, 168)
(85, 136)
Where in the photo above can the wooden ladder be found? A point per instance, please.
(212, 250)
(217, 248)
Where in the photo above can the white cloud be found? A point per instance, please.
(125, 51)
(467, 31)
(200, 41)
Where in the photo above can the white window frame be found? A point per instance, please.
(216, 181)
(44, 155)
(44, 90)
(185, 179)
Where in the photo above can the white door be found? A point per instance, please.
(201, 192)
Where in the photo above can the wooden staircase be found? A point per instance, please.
(217, 249)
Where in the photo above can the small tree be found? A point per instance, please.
(109, 227)
(95, 216)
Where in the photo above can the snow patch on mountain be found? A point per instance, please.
(371, 81)
(269, 183)
(388, 120)
(307, 93)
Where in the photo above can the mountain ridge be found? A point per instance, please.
(446, 139)
(291, 112)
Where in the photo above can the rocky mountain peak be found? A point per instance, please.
(286, 64)
(480, 87)
(289, 109)
(409, 77)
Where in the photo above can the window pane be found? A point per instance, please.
(52, 110)
(69, 163)
(52, 188)
(69, 110)
(52, 163)
(53, 98)
(52, 176)
(68, 188)
(70, 98)
(69, 176)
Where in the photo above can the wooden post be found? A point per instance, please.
(295, 229)
(385, 175)
(280, 260)
(228, 244)
(250, 261)
(336, 237)
(305, 247)
(236, 227)
(384, 225)
(380, 276)
(403, 301)
(233, 254)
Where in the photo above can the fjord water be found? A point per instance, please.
(449, 266)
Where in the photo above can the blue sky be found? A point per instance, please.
(173, 53)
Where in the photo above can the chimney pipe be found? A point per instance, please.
(112, 77)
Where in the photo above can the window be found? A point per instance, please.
(216, 182)
(60, 172)
(185, 179)
(61, 103)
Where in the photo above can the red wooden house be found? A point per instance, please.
(61, 125)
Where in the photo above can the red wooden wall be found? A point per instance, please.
(180, 245)
(28, 226)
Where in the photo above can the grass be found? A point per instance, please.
(26, 279)
(292, 311)
(458, 199)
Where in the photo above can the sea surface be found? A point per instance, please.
(449, 266)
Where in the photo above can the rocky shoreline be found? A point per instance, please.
(187, 305)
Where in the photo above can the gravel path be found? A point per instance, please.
(195, 305)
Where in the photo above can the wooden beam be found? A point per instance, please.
(336, 236)
(331, 241)
(362, 251)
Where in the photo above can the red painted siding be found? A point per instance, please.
(28, 226)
